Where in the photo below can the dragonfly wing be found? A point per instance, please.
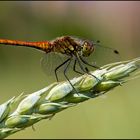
(102, 56)
(49, 62)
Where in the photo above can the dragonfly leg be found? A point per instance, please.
(86, 69)
(65, 70)
(81, 65)
(85, 62)
(74, 67)
(59, 67)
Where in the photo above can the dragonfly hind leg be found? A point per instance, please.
(65, 70)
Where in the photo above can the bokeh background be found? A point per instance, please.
(115, 24)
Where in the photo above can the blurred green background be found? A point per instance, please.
(115, 24)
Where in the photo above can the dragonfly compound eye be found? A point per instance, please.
(87, 48)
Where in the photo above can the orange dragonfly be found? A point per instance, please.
(74, 48)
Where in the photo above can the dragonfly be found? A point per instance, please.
(75, 48)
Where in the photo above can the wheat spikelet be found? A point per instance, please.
(45, 103)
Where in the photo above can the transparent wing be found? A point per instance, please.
(49, 62)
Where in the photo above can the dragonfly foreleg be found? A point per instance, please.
(86, 69)
(85, 62)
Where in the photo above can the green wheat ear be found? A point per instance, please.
(45, 103)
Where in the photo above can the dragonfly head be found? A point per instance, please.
(87, 47)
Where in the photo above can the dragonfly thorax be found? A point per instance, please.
(72, 46)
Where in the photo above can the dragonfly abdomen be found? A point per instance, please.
(44, 46)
